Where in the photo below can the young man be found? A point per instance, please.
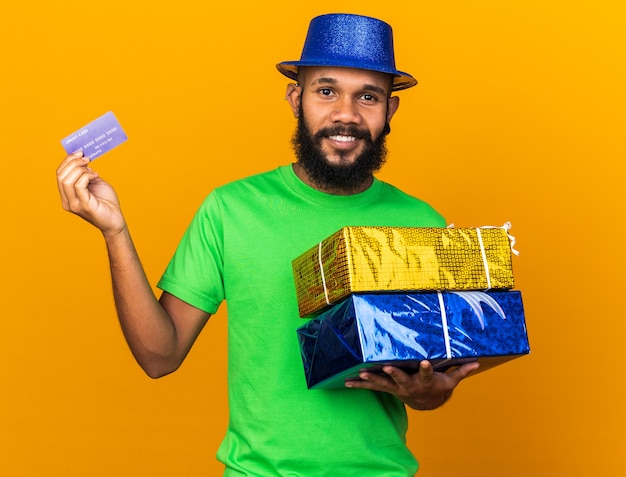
(239, 247)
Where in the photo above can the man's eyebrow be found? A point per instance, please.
(325, 80)
(366, 87)
(372, 87)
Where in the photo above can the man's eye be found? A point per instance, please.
(326, 91)
(369, 97)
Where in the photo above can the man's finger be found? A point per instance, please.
(399, 376)
(372, 381)
(464, 371)
(426, 371)
(69, 158)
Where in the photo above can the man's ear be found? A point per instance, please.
(393, 103)
(293, 97)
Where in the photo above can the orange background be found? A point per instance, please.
(519, 116)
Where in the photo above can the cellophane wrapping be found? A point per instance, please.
(369, 259)
(368, 331)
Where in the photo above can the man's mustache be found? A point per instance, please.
(341, 130)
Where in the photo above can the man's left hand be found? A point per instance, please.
(426, 389)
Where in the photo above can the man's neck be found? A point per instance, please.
(304, 177)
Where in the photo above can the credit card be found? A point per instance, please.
(96, 138)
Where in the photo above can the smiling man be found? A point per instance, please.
(239, 248)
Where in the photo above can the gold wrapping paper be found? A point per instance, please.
(370, 259)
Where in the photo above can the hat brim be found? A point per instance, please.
(401, 80)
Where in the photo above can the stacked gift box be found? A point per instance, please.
(399, 295)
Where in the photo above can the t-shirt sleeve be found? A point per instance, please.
(195, 272)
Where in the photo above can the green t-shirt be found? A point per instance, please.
(239, 248)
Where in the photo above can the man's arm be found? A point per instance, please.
(159, 333)
(424, 390)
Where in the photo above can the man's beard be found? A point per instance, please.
(347, 177)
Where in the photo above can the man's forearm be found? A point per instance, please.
(147, 327)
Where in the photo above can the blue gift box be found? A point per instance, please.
(368, 331)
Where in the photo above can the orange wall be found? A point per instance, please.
(519, 116)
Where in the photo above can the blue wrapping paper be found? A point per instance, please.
(368, 331)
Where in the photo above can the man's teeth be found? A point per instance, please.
(343, 138)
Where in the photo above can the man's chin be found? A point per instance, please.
(340, 162)
(342, 158)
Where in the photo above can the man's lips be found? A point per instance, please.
(342, 139)
(339, 138)
(340, 142)
(343, 134)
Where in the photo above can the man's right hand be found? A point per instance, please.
(85, 194)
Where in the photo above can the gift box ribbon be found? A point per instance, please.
(444, 324)
(506, 227)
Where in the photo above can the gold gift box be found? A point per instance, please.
(370, 259)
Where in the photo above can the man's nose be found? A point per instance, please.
(346, 111)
